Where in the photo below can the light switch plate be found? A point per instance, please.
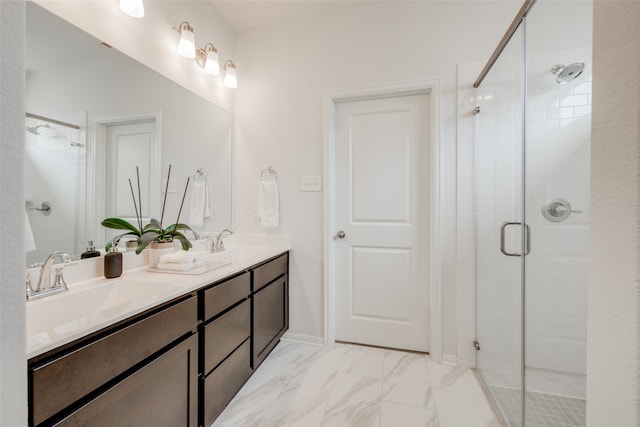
(311, 183)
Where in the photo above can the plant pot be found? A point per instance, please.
(157, 249)
(131, 245)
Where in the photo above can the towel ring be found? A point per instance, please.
(200, 175)
(269, 170)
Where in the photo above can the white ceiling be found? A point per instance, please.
(247, 14)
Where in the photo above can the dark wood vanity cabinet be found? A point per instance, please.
(122, 373)
(178, 364)
(270, 306)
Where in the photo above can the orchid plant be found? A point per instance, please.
(154, 231)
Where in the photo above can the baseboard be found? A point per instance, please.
(449, 359)
(301, 338)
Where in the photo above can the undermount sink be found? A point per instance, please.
(64, 314)
(228, 255)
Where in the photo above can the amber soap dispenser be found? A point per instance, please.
(113, 263)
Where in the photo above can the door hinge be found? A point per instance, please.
(476, 344)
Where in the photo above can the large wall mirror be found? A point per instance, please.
(93, 115)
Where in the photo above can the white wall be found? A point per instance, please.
(613, 337)
(152, 41)
(13, 365)
(287, 69)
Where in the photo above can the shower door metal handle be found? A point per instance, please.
(527, 238)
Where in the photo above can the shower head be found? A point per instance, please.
(34, 129)
(567, 73)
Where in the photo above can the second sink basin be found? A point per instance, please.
(62, 315)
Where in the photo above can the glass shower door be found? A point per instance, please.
(500, 234)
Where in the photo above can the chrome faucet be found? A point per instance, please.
(45, 287)
(219, 244)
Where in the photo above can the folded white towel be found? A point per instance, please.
(178, 257)
(200, 208)
(269, 204)
(182, 266)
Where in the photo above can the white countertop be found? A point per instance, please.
(94, 304)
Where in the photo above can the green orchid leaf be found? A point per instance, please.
(120, 224)
(186, 244)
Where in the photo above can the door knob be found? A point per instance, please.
(340, 234)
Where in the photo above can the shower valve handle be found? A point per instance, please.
(557, 210)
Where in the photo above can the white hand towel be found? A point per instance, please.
(269, 204)
(29, 241)
(178, 257)
(200, 208)
(182, 266)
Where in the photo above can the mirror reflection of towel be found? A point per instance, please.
(269, 204)
(199, 203)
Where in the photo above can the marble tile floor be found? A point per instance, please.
(348, 385)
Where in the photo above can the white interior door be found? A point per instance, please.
(130, 145)
(381, 215)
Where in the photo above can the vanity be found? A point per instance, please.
(174, 352)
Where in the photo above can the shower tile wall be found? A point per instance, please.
(558, 158)
(55, 172)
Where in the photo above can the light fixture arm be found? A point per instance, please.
(201, 53)
(184, 25)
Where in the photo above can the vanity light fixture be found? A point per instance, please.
(133, 8)
(211, 63)
(206, 57)
(230, 78)
(187, 43)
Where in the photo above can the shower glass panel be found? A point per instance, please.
(499, 236)
(558, 135)
(532, 156)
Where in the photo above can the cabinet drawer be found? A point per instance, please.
(225, 294)
(63, 381)
(226, 333)
(224, 382)
(162, 393)
(266, 273)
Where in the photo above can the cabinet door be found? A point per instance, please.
(162, 393)
(270, 318)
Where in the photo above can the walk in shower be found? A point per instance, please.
(54, 183)
(531, 195)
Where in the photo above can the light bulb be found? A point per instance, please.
(187, 44)
(230, 79)
(133, 8)
(212, 65)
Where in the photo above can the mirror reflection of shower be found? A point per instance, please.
(55, 168)
(567, 73)
(34, 129)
